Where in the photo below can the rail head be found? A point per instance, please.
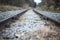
(52, 16)
(7, 15)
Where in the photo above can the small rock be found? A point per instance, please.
(19, 25)
(46, 24)
(18, 35)
(6, 37)
(7, 26)
(54, 33)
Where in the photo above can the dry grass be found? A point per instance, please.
(51, 8)
(8, 8)
(47, 32)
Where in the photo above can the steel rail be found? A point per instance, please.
(49, 15)
(7, 15)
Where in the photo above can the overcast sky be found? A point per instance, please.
(37, 1)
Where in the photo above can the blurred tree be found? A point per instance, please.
(51, 3)
(34, 5)
(17, 2)
(56, 4)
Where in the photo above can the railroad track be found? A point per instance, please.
(7, 15)
(52, 16)
(18, 26)
(49, 15)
